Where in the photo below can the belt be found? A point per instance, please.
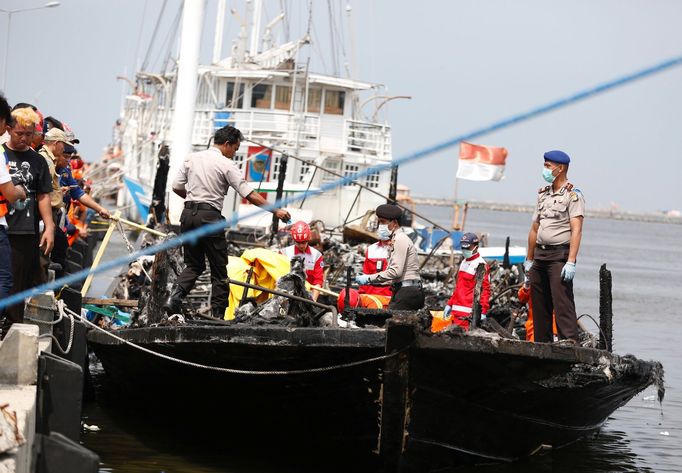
(410, 282)
(199, 206)
(565, 246)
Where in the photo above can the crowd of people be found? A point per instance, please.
(45, 204)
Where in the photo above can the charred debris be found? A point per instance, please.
(343, 251)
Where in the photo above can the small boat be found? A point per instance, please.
(428, 400)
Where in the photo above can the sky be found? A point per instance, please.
(465, 65)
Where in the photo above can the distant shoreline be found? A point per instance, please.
(522, 208)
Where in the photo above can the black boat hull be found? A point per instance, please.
(467, 398)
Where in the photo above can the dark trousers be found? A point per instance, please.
(25, 266)
(551, 293)
(5, 268)
(58, 255)
(212, 246)
(407, 298)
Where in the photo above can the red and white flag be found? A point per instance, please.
(481, 163)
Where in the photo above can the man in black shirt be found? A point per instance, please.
(29, 169)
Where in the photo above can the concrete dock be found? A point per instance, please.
(39, 411)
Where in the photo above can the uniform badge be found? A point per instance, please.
(574, 197)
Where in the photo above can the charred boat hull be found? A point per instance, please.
(482, 399)
(437, 400)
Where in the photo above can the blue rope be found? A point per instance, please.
(192, 236)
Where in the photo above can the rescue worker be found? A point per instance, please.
(553, 244)
(203, 180)
(403, 263)
(461, 303)
(313, 260)
(376, 260)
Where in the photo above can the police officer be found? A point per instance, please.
(403, 263)
(203, 180)
(553, 243)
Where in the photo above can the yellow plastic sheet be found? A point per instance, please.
(268, 267)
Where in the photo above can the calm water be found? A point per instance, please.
(646, 262)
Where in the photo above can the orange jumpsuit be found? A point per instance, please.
(524, 297)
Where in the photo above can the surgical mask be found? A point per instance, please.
(383, 232)
(467, 253)
(547, 175)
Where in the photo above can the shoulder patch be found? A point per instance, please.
(574, 197)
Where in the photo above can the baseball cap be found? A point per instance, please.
(55, 134)
(468, 240)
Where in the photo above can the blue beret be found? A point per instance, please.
(557, 156)
(468, 240)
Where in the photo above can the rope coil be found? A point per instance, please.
(62, 309)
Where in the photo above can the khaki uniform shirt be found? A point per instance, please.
(207, 175)
(403, 261)
(554, 212)
(56, 195)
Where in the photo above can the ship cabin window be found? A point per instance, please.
(332, 165)
(238, 159)
(334, 101)
(261, 96)
(305, 167)
(349, 170)
(372, 180)
(282, 97)
(275, 168)
(314, 100)
(232, 100)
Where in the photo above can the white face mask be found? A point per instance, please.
(383, 232)
(467, 253)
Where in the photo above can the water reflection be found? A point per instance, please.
(609, 452)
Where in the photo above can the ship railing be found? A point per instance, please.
(273, 126)
(368, 138)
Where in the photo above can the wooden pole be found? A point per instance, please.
(137, 225)
(324, 291)
(100, 252)
(395, 395)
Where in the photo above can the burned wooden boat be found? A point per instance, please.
(427, 400)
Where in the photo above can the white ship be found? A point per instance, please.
(268, 91)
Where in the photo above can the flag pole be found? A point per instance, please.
(455, 206)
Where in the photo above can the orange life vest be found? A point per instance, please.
(4, 203)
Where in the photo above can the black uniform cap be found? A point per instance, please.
(389, 212)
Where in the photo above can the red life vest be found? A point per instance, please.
(463, 296)
(376, 261)
(313, 261)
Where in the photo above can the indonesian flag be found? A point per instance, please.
(481, 163)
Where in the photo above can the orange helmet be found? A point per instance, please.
(300, 232)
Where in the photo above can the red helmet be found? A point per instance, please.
(354, 299)
(76, 163)
(300, 232)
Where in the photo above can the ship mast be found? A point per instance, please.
(185, 98)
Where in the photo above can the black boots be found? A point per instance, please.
(218, 313)
(174, 303)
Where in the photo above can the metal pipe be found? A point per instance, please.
(218, 37)
(357, 196)
(283, 294)
(185, 98)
